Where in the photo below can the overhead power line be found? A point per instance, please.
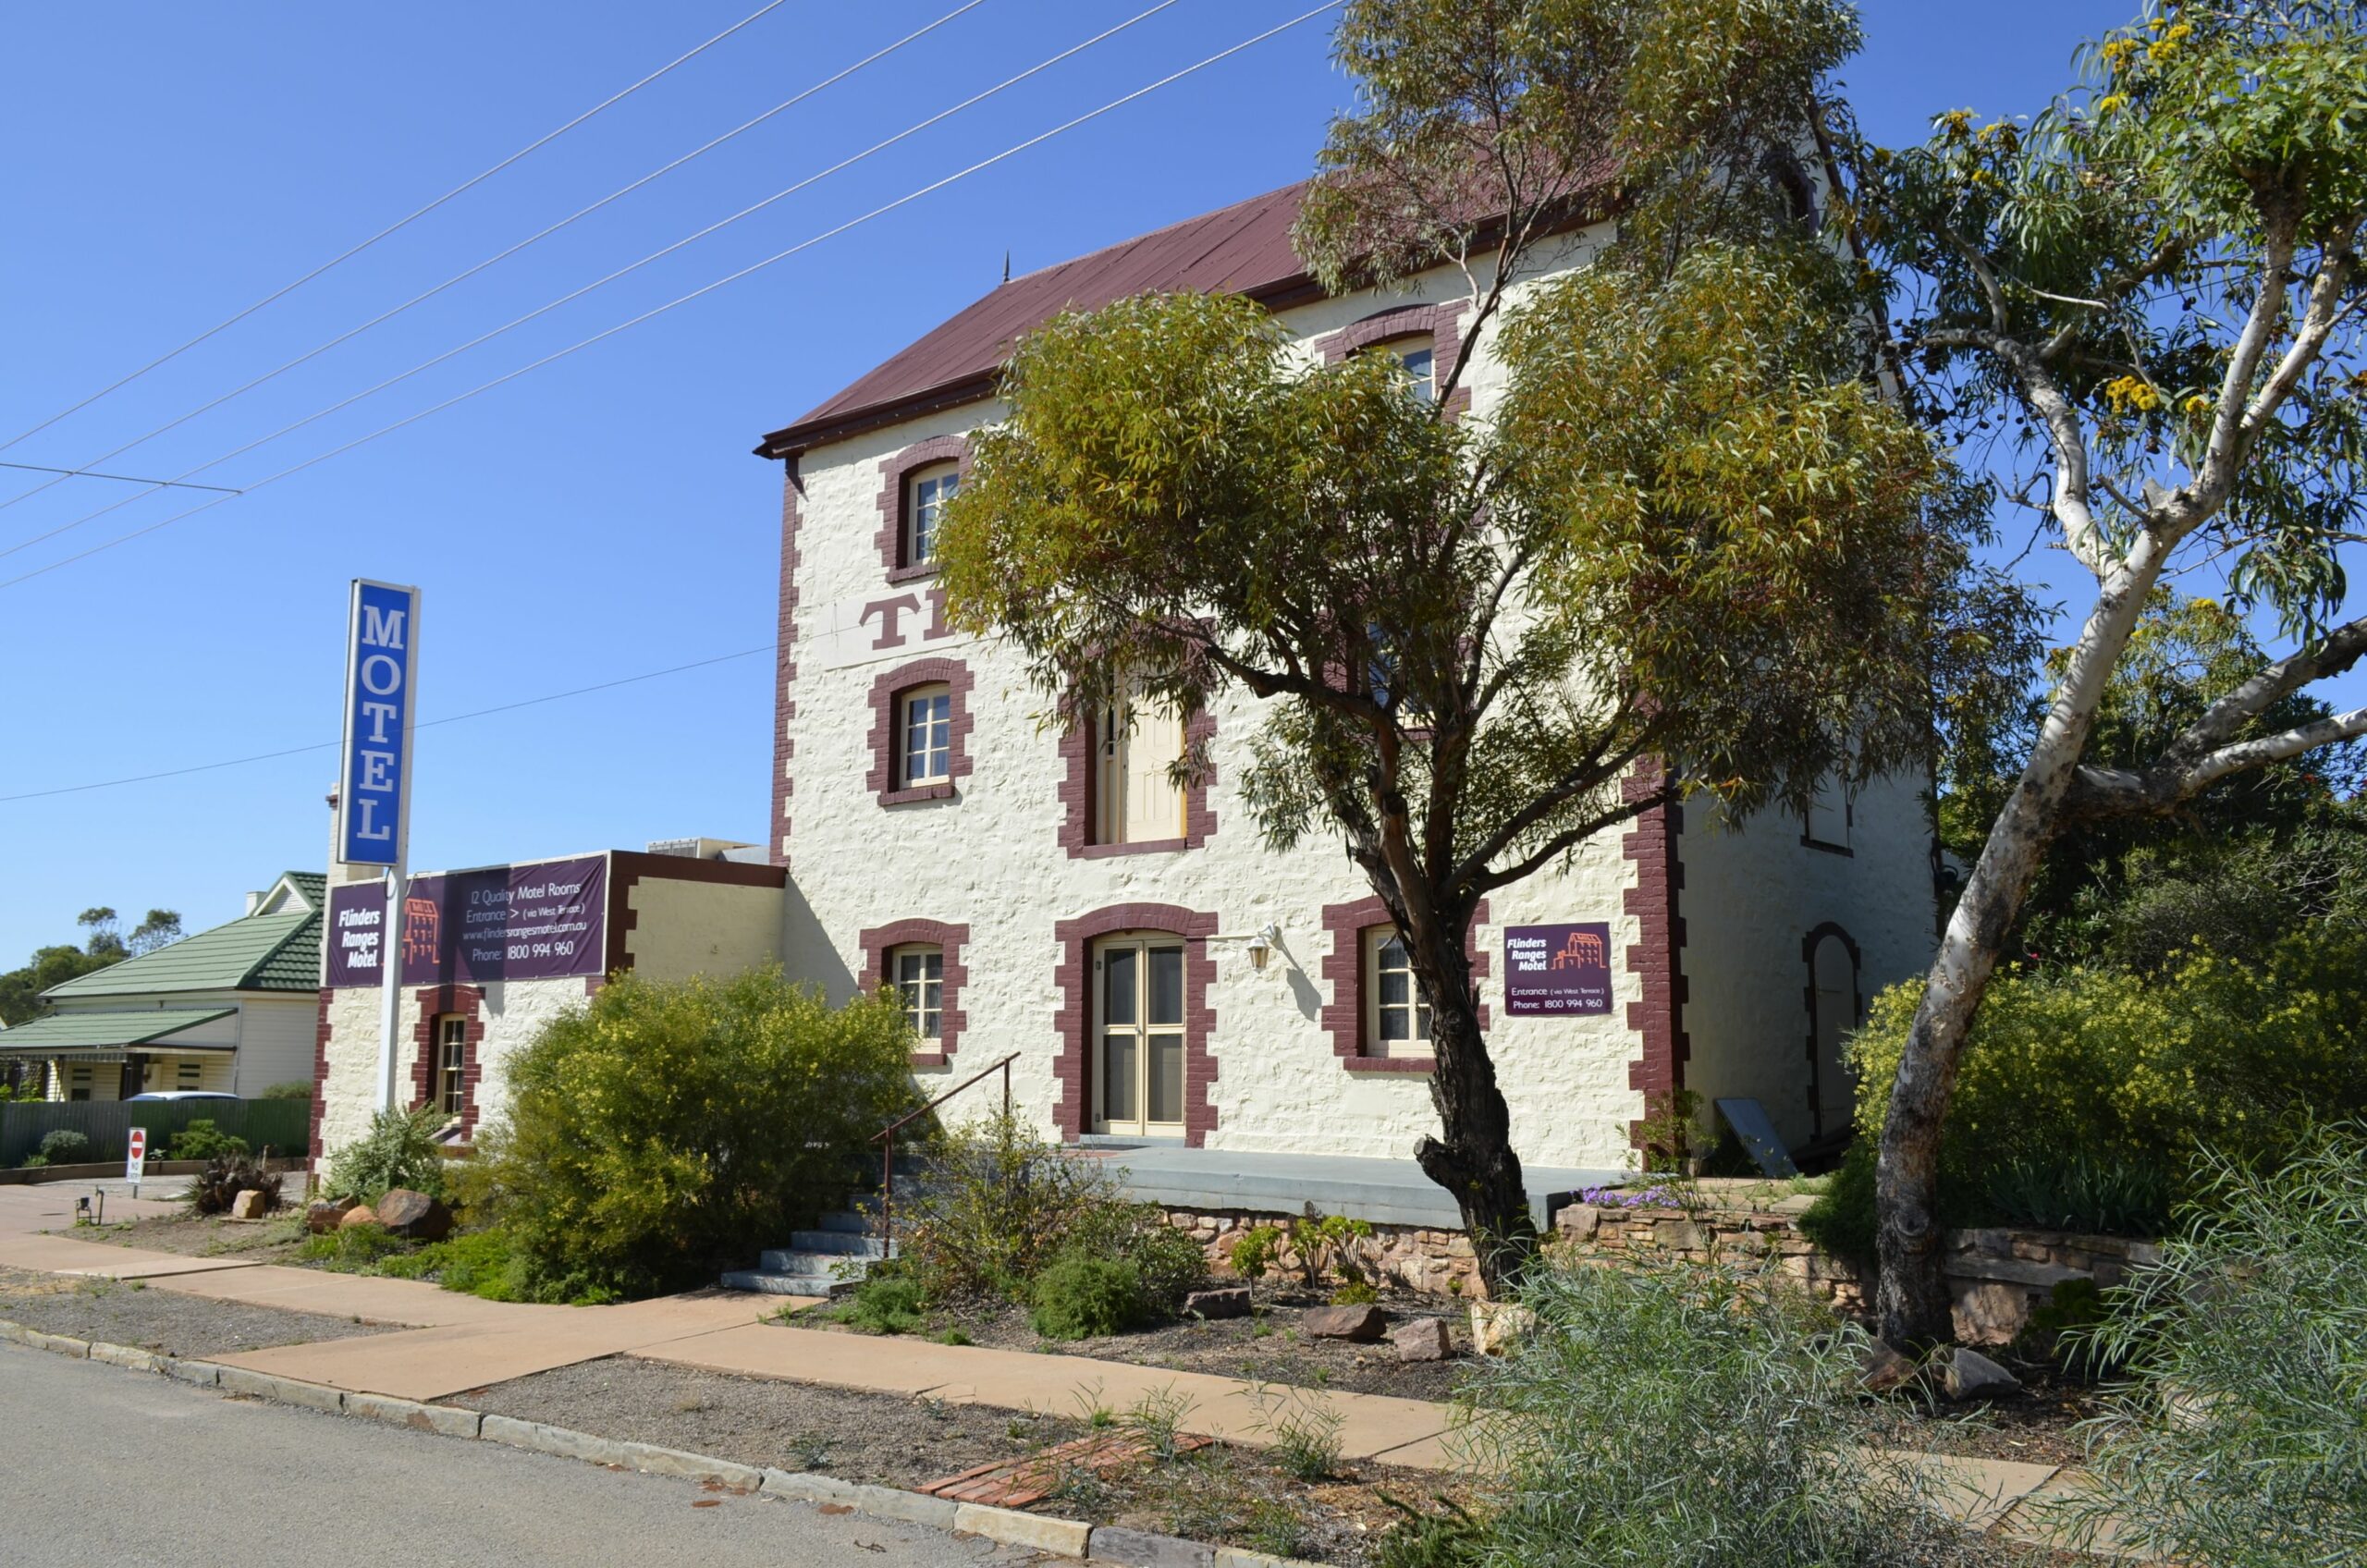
(463, 276)
(126, 478)
(423, 724)
(546, 309)
(399, 224)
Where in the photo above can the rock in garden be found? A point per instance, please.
(414, 1215)
(361, 1214)
(1973, 1376)
(1224, 1300)
(1425, 1338)
(1497, 1325)
(1885, 1369)
(251, 1204)
(1579, 1222)
(1343, 1322)
(323, 1215)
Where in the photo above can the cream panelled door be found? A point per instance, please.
(1138, 802)
(1138, 1019)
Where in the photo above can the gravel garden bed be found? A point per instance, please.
(1220, 1493)
(131, 1312)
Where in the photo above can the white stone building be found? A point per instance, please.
(1050, 894)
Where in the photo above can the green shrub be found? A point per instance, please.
(354, 1249)
(1255, 1250)
(32, 1162)
(2086, 1095)
(658, 1131)
(64, 1145)
(1450, 1538)
(997, 1204)
(1356, 1292)
(888, 1303)
(1086, 1296)
(399, 1150)
(295, 1089)
(203, 1140)
(1690, 1416)
(2240, 1438)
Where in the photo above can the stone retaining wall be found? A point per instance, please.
(1996, 1275)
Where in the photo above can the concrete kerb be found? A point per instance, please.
(1063, 1537)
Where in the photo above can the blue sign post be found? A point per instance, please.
(374, 788)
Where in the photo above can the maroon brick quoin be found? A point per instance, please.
(1073, 1022)
(467, 1000)
(1343, 1015)
(320, 1072)
(893, 472)
(956, 677)
(880, 939)
(1443, 322)
(1658, 957)
(1077, 797)
(785, 667)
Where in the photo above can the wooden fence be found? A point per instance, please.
(285, 1126)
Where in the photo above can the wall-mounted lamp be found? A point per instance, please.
(1259, 946)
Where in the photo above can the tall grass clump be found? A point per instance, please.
(1691, 1416)
(2238, 1438)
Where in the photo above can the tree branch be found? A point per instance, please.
(2332, 654)
(2104, 792)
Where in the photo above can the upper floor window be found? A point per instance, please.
(918, 975)
(925, 493)
(1137, 742)
(1828, 815)
(1415, 359)
(924, 730)
(1397, 1020)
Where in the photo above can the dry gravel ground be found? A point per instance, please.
(279, 1239)
(1268, 1345)
(129, 1312)
(1223, 1494)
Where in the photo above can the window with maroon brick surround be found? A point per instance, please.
(1074, 1067)
(1343, 1015)
(1076, 796)
(434, 1003)
(956, 678)
(1442, 323)
(1657, 960)
(893, 474)
(880, 941)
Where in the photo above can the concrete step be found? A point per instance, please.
(846, 1224)
(823, 1266)
(852, 1244)
(774, 1284)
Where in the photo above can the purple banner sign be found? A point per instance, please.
(545, 920)
(1557, 970)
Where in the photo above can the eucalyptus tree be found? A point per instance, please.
(2152, 293)
(1689, 549)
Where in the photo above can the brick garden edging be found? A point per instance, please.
(1075, 1539)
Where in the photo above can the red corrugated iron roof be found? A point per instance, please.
(1243, 249)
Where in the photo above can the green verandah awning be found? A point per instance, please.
(61, 1033)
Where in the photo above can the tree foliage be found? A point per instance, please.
(1687, 550)
(2146, 303)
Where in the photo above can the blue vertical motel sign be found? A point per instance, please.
(382, 652)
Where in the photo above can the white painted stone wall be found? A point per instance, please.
(1752, 893)
(991, 858)
(512, 1012)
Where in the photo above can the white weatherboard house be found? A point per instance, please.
(1050, 894)
(1053, 895)
(229, 1009)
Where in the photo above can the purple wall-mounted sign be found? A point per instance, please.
(547, 920)
(1557, 970)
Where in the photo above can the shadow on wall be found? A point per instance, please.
(807, 951)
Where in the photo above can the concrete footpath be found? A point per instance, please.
(453, 1344)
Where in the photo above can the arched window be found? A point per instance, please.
(1833, 1012)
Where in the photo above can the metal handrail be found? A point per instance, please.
(888, 1159)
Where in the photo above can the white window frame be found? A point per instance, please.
(1118, 725)
(925, 492)
(446, 1083)
(1147, 1038)
(917, 971)
(1414, 1011)
(924, 736)
(1423, 383)
(1830, 815)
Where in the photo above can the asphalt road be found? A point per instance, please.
(100, 1465)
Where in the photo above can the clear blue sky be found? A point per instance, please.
(170, 164)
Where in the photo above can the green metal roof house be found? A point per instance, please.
(234, 1008)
